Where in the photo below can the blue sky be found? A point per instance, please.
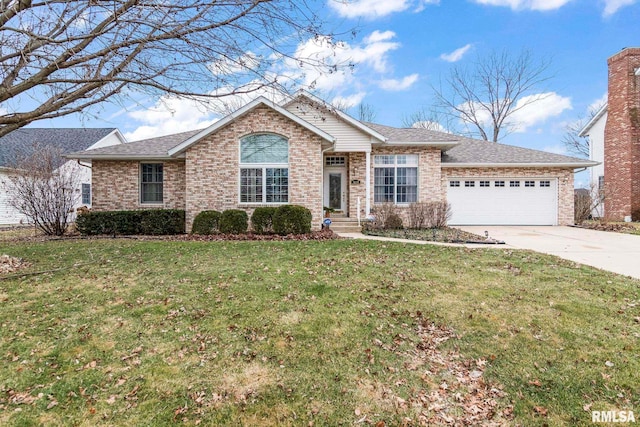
(402, 47)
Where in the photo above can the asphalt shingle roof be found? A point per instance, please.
(23, 142)
(484, 152)
(416, 135)
(151, 148)
(466, 151)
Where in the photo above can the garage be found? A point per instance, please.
(503, 201)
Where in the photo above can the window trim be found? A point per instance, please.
(140, 185)
(82, 193)
(263, 167)
(395, 165)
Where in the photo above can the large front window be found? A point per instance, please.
(264, 169)
(151, 183)
(396, 178)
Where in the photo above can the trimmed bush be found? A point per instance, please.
(262, 219)
(149, 221)
(393, 222)
(292, 219)
(234, 221)
(206, 222)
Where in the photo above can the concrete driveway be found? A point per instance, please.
(616, 252)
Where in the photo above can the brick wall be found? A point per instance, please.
(212, 165)
(622, 136)
(116, 185)
(565, 183)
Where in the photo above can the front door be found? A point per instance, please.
(335, 191)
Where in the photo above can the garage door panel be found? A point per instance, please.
(534, 204)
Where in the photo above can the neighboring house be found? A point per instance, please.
(23, 142)
(614, 138)
(594, 131)
(305, 152)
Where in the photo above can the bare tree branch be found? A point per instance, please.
(575, 143)
(486, 97)
(58, 57)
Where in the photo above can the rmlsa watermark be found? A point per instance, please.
(612, 417)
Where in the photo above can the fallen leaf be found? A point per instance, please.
(535, 383)
(587, 407)
(541, 410)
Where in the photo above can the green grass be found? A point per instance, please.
(128, 332)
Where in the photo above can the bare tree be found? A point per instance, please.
(59, 57)
(575, 143)
(43, 189)
(486, 97)
(366, 112)
(428, 119)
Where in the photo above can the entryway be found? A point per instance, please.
(335, 183)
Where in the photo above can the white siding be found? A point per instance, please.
(596, 153)
(8, 214)
(348, 138)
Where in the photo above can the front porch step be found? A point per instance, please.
(344, 224)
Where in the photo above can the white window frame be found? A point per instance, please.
(263, 167)
(410, 161)
(141, 184)
(84, 186)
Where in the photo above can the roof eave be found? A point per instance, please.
(574, 165)
(443, 145)
(136, 157)
(180, 148)
(585, 130)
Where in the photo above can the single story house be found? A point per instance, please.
(303, 151)
(23, 143)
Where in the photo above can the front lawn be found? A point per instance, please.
(124, 332)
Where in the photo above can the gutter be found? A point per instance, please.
(519, 165)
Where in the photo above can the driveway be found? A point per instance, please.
(616, 252)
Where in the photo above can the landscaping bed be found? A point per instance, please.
(442, 235)
(617, 227)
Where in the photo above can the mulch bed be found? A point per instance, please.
(604, 226)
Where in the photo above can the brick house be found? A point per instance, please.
(614, 138)
(305, 152)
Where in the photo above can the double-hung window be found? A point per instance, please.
(264, 169)
(396, 178)
(86, 194)
(151, 183)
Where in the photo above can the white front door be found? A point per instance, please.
(335, 188)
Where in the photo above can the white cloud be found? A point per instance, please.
(556, 149)
(349, 101)
(456, 55)
(397, 85)
(598, 103)
(537, 108)
(370, 54)
(529, 111)
(369, 9)
(170, 115)
(539, 5)
(612, 6)
(372, 9)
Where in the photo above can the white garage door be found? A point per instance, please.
(503, 201)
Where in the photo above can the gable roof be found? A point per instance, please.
(23, 142)
(180, 148)
(601, 112)
(149, 149)
(416, 136)
(341, 114)
(476, 153)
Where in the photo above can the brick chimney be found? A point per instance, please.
(622, 136)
